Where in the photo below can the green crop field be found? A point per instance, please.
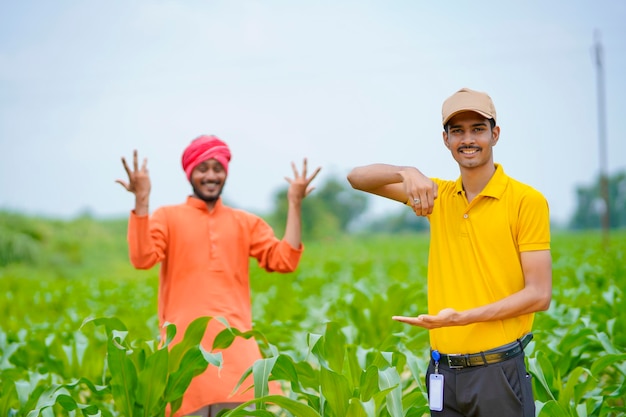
(78, 334)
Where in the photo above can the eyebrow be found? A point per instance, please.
(473, 125)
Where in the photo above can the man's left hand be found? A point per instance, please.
(446, 318)
(299, 185)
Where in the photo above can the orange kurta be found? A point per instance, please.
(204, 258)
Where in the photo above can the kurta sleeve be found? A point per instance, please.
(272, 253)
(147, 237)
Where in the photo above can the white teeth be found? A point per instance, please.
(469, 151)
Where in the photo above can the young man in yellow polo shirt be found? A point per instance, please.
(489, 266)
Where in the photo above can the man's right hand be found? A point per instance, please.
(420, 190)
(138, 184)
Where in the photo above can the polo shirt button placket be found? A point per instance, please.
(466, 216)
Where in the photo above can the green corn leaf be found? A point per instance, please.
(567, 392)
(390, 379)
(416, 366)
(43, 399)
(318, 351)
(248, 413)
(92, 387)
(176, 404)
(8, 399)
(214, 359)
(336, 390)
(607, 360)
(261, 370)
(23, 390)
(552, 409)
(58, 395)
(604, 339)
(380, 397)
(34, 398)
(581, 410)
(152, 382)
(381, 359)
(67, 402)
(170, 333)
(369, 383)
(226, 337)
(353, 369)
(285, 369)
(7, 351)
(295, 407)
(334, 346)
(307, 375)
(577, 336)
(355, 408)
(415, 402)
(388, 356)
(312, 340)
(192, 338)
(192, 364)
(368, 406)
(109, 323)
(243, 378)
(79, 347)
(537, 366)
(123, 378)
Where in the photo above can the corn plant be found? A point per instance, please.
(336, 379)
(142, 378)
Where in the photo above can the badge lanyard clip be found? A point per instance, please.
(436, 356)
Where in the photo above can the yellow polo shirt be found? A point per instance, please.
(474, 256)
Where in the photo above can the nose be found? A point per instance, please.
(467, 138)
(210, 174)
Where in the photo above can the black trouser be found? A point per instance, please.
(499, 389)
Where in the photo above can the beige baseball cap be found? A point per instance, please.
(468, 100)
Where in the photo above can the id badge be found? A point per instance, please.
(435, 392)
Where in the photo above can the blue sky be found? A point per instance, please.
(344, 83)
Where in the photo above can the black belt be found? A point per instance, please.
(496, 355)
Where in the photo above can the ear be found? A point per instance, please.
(495, 135)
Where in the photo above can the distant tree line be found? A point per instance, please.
(590, 205)
(332, 210)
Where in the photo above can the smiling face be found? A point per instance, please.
(470, 138)
(207, 180)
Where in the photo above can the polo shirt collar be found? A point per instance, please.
(494, 188)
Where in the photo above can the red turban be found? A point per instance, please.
(204, 148)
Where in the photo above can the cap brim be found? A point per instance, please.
(482, 113)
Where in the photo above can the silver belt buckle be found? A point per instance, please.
(455, 355)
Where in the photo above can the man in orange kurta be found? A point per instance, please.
(204, 247)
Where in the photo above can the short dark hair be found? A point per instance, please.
(492, 123)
